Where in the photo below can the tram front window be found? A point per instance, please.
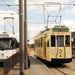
(67, 40)
(60, 41)
(4, 44)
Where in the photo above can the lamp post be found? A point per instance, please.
(21, 28)
(25, 35)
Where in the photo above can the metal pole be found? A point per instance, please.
(25, 34)
(13, 26)
(21, 21)
(47, 21)
(44, 14)
(4, 26)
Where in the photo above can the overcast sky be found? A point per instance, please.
(37, 15)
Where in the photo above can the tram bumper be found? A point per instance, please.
(66, 60)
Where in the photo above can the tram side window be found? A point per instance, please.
(14, 44)
(67, 40)
(52, 40)
(47, 43)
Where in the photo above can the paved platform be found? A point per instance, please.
(36, 68)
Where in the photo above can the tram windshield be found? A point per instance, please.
(60, 41)
(4, 44)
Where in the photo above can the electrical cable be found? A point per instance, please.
(67, 11)
(6, 4)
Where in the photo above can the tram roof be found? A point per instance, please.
(55, 29)
(6, 35)
(43, 31)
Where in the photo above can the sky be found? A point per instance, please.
(40, 13)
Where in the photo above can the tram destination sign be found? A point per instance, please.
(60, 30)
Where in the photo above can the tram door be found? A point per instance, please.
(60, 46)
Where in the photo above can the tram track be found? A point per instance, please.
(71, 69)
(62, 69)
(65, 69)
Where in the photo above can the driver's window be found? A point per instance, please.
(13, 43)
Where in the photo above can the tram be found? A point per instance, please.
(54, 45)
(8, 46)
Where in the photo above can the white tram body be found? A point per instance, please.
(8, 46)
(54, 45)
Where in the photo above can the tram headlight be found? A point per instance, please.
(2, 54)
(6, 56)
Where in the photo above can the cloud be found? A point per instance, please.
(69, 23)
(34, 30)
(16, 1)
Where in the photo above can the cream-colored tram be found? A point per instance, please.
(54, 45)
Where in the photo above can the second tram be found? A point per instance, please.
(54, 45)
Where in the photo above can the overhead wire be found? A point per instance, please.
(33, 2)
(39, 20)
(6, 4)
(67, 11)
(45, 9)
(49, 13)
(58, 13)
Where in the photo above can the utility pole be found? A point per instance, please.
(21, 27)
(25, 35)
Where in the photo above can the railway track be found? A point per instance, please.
(67, 69)
(62, 69)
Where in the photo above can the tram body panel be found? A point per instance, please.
(68, 52)
(5, 54)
